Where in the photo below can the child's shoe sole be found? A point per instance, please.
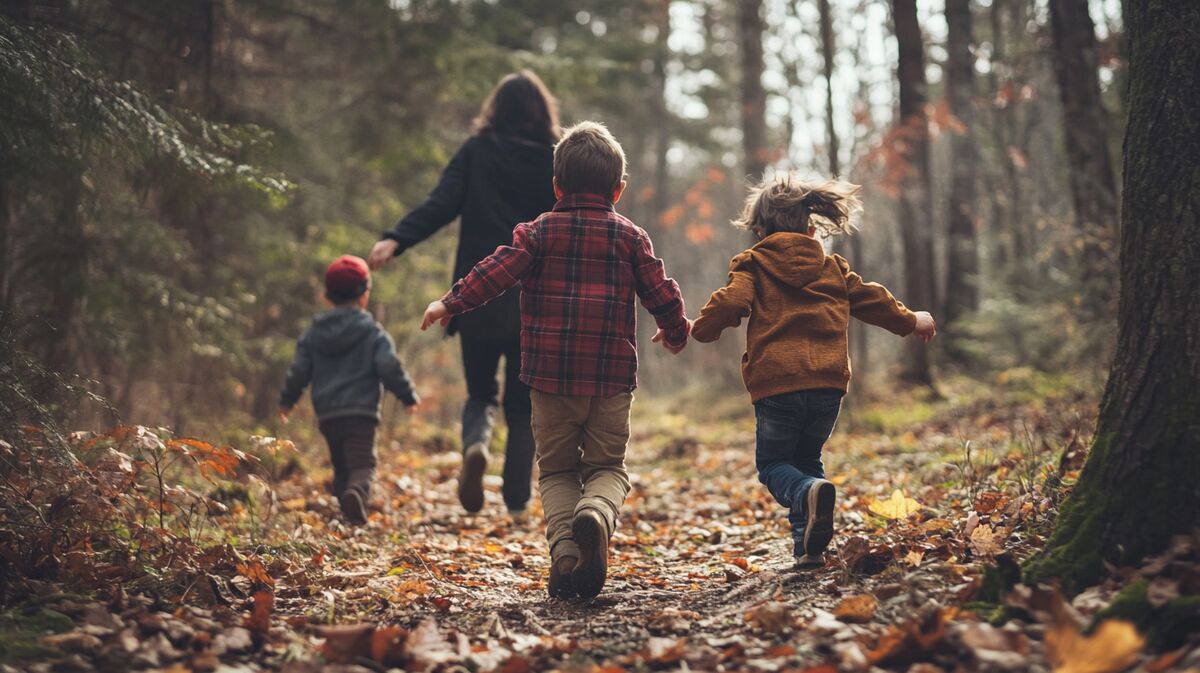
(560, 584)
(353, 507)
(470, 481)
(589, 532)
(818, 531)
(810, 561)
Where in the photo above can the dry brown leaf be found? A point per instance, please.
(345, 644)
(259, 621)
(770, 617)
(387, 645)
(1112, 647)
(664, 651)
(984, 541)
(858, 609)
(899, 506)
(914, 557)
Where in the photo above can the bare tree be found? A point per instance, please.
(753, 95)
(1085, 126)
(962, 295)
(912, 141)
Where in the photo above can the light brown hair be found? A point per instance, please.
(520, 106)
(788, 203)
(588, 160)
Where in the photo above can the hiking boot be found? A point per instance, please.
(807, 561)
(560, 585)
(519, 516)
(353, 508)
(818, 529)
(590, 532)
(470, 480)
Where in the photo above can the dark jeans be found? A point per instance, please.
(352, 452)
(792, 429)
(481, 362)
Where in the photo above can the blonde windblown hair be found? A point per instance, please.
(787, 203)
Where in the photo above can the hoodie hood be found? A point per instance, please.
(793, 259)
(340, 329)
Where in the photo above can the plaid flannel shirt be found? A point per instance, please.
(579, 266)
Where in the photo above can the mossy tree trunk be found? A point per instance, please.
(1141, 484)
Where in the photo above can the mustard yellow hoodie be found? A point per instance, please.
(799, 302)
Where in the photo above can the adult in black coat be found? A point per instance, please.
(501, 176)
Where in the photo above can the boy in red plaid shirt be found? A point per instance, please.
(580, 267)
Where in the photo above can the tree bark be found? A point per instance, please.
(827, 49)
(1139, 486)
(962, 295)
(1085, 126)
(915, 227)
(753, 95)
(662, 131)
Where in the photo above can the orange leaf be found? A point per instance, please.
(1112, 647)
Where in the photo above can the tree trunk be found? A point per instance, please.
(1085, 125)
(827, 49)
(915, 227)
(1139, 485)
(754, 96)
(662, 131)
(962, 295)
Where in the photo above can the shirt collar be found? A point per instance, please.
(580, 201)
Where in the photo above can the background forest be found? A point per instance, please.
(176, 175)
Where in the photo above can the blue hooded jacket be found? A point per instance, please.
(348, 358)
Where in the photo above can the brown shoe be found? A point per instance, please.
(470, 480)
(560, 585)
(591, 534)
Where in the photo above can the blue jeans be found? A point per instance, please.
(792, 429)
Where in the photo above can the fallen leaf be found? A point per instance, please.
(770, 617)
(259, 621)
(987, 502)
(899, 506)
(984, 541)
(1112, 647)
(426, 646)
(387, 645)
(345, 644)
(858, 609)
(914, 557)
(664, 651)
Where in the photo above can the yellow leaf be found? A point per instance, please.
(1114, 646)
(858, 609)
(914, 557)
(898, 506)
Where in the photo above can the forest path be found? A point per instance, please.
(700, 569)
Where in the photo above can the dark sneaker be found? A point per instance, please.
(353, 507)
(560, 585)
(818, 529)
(470, 481)
(807, 561)
(591, 534)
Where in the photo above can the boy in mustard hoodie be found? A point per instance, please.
(799, 302)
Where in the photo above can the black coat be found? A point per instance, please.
(494, 183)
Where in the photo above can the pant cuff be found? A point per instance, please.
(564, 548)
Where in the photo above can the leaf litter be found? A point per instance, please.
(700, 571)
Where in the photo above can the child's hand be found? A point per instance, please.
(413, 408)
(283, 414)
(659, 335)
(382, 253)
(435, 312)
(926, 327)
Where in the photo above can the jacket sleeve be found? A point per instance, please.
(391, 371)
(728, 305)
(298, 375)
(873, 304)
(496, 273)
(440, 208)
(658, 292)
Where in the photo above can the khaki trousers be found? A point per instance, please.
(581, 444)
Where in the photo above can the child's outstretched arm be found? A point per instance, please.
(728, 305)
(873, 304)
(660, 295)
(391, 371)
(298, 376)
(491, 277)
